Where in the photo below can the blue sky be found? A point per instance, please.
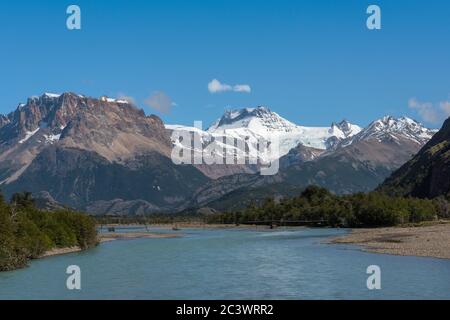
(313, 62)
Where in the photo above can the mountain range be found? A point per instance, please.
(355, 164)
(106, 156)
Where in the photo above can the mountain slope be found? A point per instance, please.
(361, 162)
(80, 178)
(427, 175)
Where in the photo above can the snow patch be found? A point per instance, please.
(52, 138)
(28, 135)
(52, 95)
(111, 100)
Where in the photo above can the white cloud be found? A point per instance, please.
(445, 107)
(430, 112)
(215, 86)
(242, 88)
(160, 102)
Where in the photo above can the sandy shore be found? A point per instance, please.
(106, 237)
(59, 251)
(111, 236)
(424, 241)
(181, 225)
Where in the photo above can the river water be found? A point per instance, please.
(230, 264)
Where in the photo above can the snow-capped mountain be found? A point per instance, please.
(341, 131)
(262, 124)
(259, 119)
(358, 163)
(393, 129)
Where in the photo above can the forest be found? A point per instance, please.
(318, 206)
(27, 232)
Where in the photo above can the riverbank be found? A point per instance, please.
(59, 251)
(112, 236)
(423, 241)
(107, 237)
(427, 241)
(179, 225)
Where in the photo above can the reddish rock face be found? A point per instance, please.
(86, 123)
(81, 150)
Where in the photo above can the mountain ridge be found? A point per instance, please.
(106, 155)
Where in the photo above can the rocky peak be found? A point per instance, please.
(56, 111)
(340, 131)
(259, 119)
(114, 129)
(393, 129)
(344, 129)
(347, 128)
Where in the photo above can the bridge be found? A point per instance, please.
(281, 223)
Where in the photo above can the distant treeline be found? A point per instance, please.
(318, 205)
(150, 219)
(26, 232)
